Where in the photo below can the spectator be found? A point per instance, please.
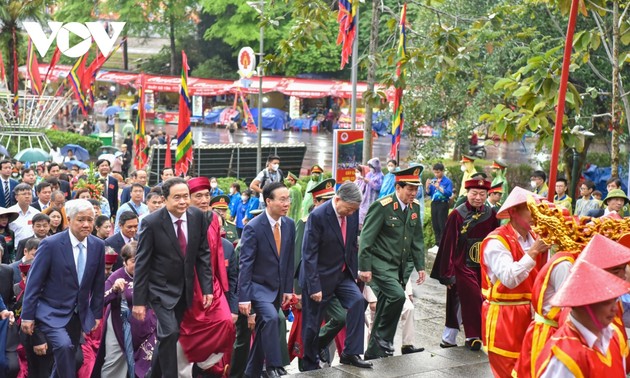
(373, 182)
(30, 248)
(126, 159)
(538, 184)
(597, 195)
(102, 227)
(7, 237)
(214, 188)
(440, 189)
(271, 173)
(235, 198)
(562, 198)
(244, 210)
(615, 183)
(40, 227)
(134, 205)
(139, 177)
(44, 192)
(388, 181)
(22, 225)
(7, 187)
(167, 173)
(128, 141)
(58, 220)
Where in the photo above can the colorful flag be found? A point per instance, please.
(53, 62)
(168, 162)
(399, 120)
(247, 114)
(347, 19)
(141, 140)
(32, 68)
(76, 82)
(3, 74)
(183, 154)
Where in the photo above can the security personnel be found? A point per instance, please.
(392, 232)
(498, 176)
(220, 205)
(494, 196)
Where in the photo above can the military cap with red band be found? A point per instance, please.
(323, 190)
(410, 175)
(220, 202)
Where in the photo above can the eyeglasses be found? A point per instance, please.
(284, 200)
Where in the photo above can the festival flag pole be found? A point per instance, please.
(183, 154)
(141, 141)
(398, 120)
(348, 38)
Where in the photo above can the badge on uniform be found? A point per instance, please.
(414, 216)
(111, 186)
(395, 205)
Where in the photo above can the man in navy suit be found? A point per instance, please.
(140, 177)
(64, 292)
(329, 267)
(6, 185)
(128, 224)
(110, 186)
(266, 276)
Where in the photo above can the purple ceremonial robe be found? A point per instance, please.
(454, 266)
(143, 333)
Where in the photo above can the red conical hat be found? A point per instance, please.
(605, 253)
(517, 196)
(588, 284)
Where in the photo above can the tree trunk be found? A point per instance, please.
(368, 142)
(171, 35)
(615, 92)
(125, 54)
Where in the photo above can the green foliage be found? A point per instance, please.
(427, 227)
(224, 184)
(214, 67)
(61, 138)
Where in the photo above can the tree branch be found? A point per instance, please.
(598, 7)
(625, 11)
(455, 17)
(602, 35)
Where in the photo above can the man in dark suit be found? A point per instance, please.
(329, 267)
(110, 186)
(64, 292)
(7, 199)
(266, 276)
(54, 171)
(172, 245)
(139, 177)
(128, 224)
(44, 192)
(41, 226)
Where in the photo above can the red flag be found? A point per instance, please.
(168, 162)
(76, 75)
(53, 62)
(3, 74)
(183, 153)
(141, 141)
(347, 18)
(32, 68)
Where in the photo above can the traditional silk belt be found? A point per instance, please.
(541, 319)
(498, 303)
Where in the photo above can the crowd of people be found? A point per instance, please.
(180, 279)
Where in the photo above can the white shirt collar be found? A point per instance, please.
(601, 343)
(75, 242)
(272, 221)
(175, 219)
(401, 203)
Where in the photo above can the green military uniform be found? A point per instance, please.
(317, 174)
(498, 176)
(220, 206)
(230, 231)
(295, 193)
(390, 235)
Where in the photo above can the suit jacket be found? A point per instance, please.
(19, 250)
(17, 275)
(12, 185)
(323, 250)
(53, 290)
(116, 241)
(264, 275)
(6, 285)
(595, 213)
(125, 196)
(64, 186)
(112, 194)
(232, 274)
(162, 273)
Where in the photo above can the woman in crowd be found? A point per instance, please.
(127, 343)
(373, 181)
(102, 227)
(82, 193)
(7, 237)
(58, 220)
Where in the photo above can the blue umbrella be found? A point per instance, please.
(79, 152)
(112, 110)
(147, 106)
(3, 151)
(78, 163)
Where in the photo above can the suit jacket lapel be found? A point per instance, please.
(68, 254)
(334, 221)
(190, 229)
(268, 233)
(170, 232)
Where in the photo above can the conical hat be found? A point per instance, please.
(517, 196)
(605, 253)
(12, 214)
(588, 284)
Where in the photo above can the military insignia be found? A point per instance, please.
(386, 201)
(395, 205)
(481, 182)
(414, 216)
(416, 172)
(415, 200)
(329, 185)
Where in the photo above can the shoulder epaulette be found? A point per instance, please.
(386, 201)
(230, 222)
(304, 219)
(415, 200)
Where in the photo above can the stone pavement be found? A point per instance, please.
(430, 302)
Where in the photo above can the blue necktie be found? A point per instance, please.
(80, 262)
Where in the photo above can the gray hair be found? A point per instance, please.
(76, 206)
(56, 194)
(349, 192)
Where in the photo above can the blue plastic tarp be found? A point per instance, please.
(600, 175)
(212, 117)
(272, 118)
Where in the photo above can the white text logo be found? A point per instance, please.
(61, 32)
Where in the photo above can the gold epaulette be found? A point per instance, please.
(415, 200)
(386, 201)
(230, 222)
(304, 219)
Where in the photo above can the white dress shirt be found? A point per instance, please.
(75, 249)
(273, 222)
(184, 224)
(500, 264)
(23, 225)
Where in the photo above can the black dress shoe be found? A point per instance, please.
(281, 371)
(272, 373)
(473, 344)
(367, 357)
(324, 355)
(354, 360)
(386, 346)
(408, 349)
(445, 345)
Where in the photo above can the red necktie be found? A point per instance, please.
(181, 238)
(343, 236)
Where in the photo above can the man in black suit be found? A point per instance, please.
(172, 245)
(41, 226)
(266, 276)
(7, 198)
(330, 267)
(44, 191)
(54, 171)
(110, 186)
(128, 224)
(140, 177)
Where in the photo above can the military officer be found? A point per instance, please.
(392, 232)
(494, 196)
(498, 176)
(220, 205)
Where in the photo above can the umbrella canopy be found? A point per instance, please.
(109, 157)
(112, 110)
(3, 151)
(32, 155)
(147, 106)
(79, 152)
(78, 163)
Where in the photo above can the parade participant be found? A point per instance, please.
(601, 252)
(172, 251)
(468, 169)
(494, 196)
(207, 334)
(102, 227)
(58, 220)
(41, 226)
(391, 233)
(317, 175)
(587, 344)
(440, 189)
(64, 306)
(389, 179)
(538, 183)
(562, 198)
(586, 202)
(137, 177)
(511, 257)
(295, 193)
(220, 206)
(110, 187)
(266, 277)
(329, 268)
(7, 198)
(44, 191)
(498, 176)
(457, 263)
(372, 186)
(614, 203)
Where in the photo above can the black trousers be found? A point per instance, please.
(164, 362)
(439, 213)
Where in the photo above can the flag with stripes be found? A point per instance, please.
(32, 68)
(183, 154)
(140, 144)
(347, 19)
(399, 119)
(76, 83)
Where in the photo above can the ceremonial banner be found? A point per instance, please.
(347, 18)
(399, 121)
(347, 154)
(183, 154)
(140, 144)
